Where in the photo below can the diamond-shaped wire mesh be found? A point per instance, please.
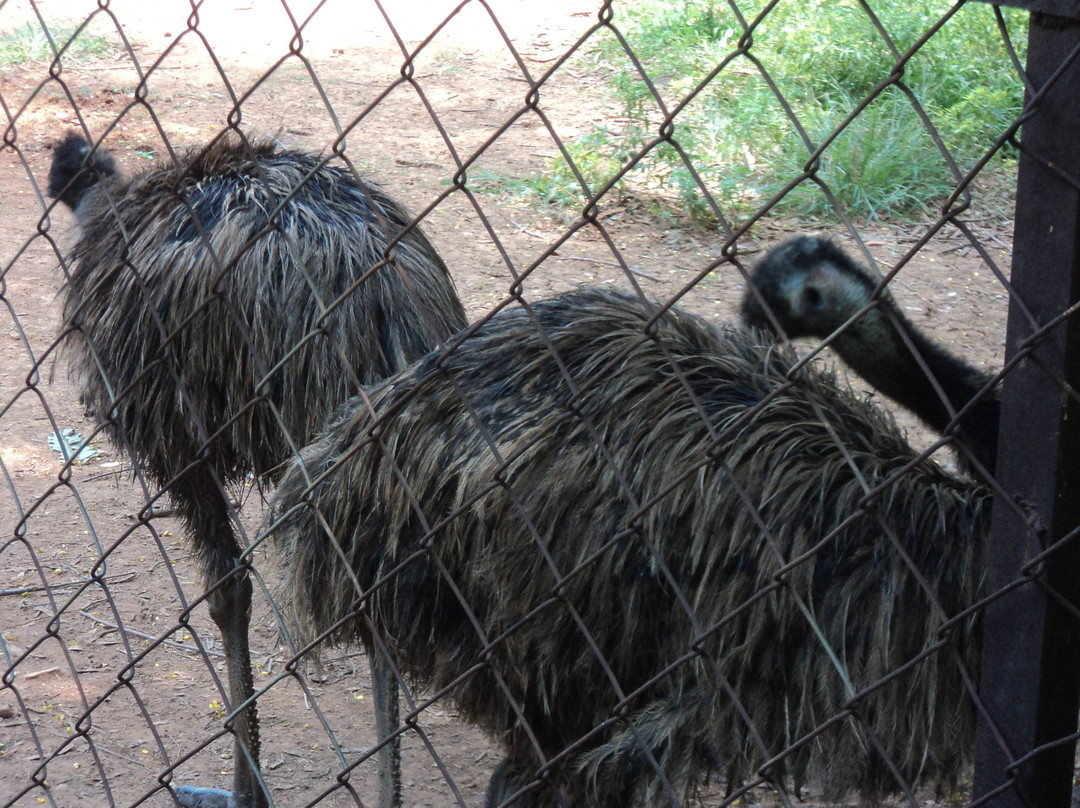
(609, 542)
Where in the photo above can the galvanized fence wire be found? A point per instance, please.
(109, 662)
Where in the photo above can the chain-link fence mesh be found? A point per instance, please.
(606, 541)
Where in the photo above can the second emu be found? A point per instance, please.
(636, 553)
(814, 289)
(218, 308)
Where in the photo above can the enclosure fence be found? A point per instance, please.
(610, 535)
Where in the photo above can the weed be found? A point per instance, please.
(826, 58)
(28, 43)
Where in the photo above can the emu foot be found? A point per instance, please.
(239, 797)
(195, 797)
(204, 797)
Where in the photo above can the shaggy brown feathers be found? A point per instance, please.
(221, 308)
(217, 311)
(615, 544)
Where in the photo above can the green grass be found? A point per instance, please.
(28, 43)
(825, 57)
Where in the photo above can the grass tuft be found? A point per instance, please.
(28, 43)
(826, 57)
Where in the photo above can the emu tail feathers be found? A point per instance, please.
(76, 168)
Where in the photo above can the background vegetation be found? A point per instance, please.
(825, 57)
(28, 43)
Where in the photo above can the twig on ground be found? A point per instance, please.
(136, 633)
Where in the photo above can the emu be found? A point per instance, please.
(218, 309)
(633, 550)
(813, 289)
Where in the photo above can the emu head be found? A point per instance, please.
(76, 168)
(810, 286)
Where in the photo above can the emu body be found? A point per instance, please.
(636, 554)
(217, 310)
(813, 288)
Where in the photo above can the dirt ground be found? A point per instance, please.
(163, 696)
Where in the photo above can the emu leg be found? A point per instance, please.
(202, 501)
(384, 686)
(500, 788)
(512, 784)
(230, 607)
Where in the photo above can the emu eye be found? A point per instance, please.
(813, 298)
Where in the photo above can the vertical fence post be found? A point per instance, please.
(1031, 649)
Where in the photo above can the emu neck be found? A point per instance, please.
(877, 351)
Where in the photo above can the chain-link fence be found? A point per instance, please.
(605, 534)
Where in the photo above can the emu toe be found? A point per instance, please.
(194, 797)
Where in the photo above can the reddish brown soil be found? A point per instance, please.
(164, 697)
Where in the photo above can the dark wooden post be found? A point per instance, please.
(1030, 672)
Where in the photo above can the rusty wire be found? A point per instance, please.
(34, 756)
